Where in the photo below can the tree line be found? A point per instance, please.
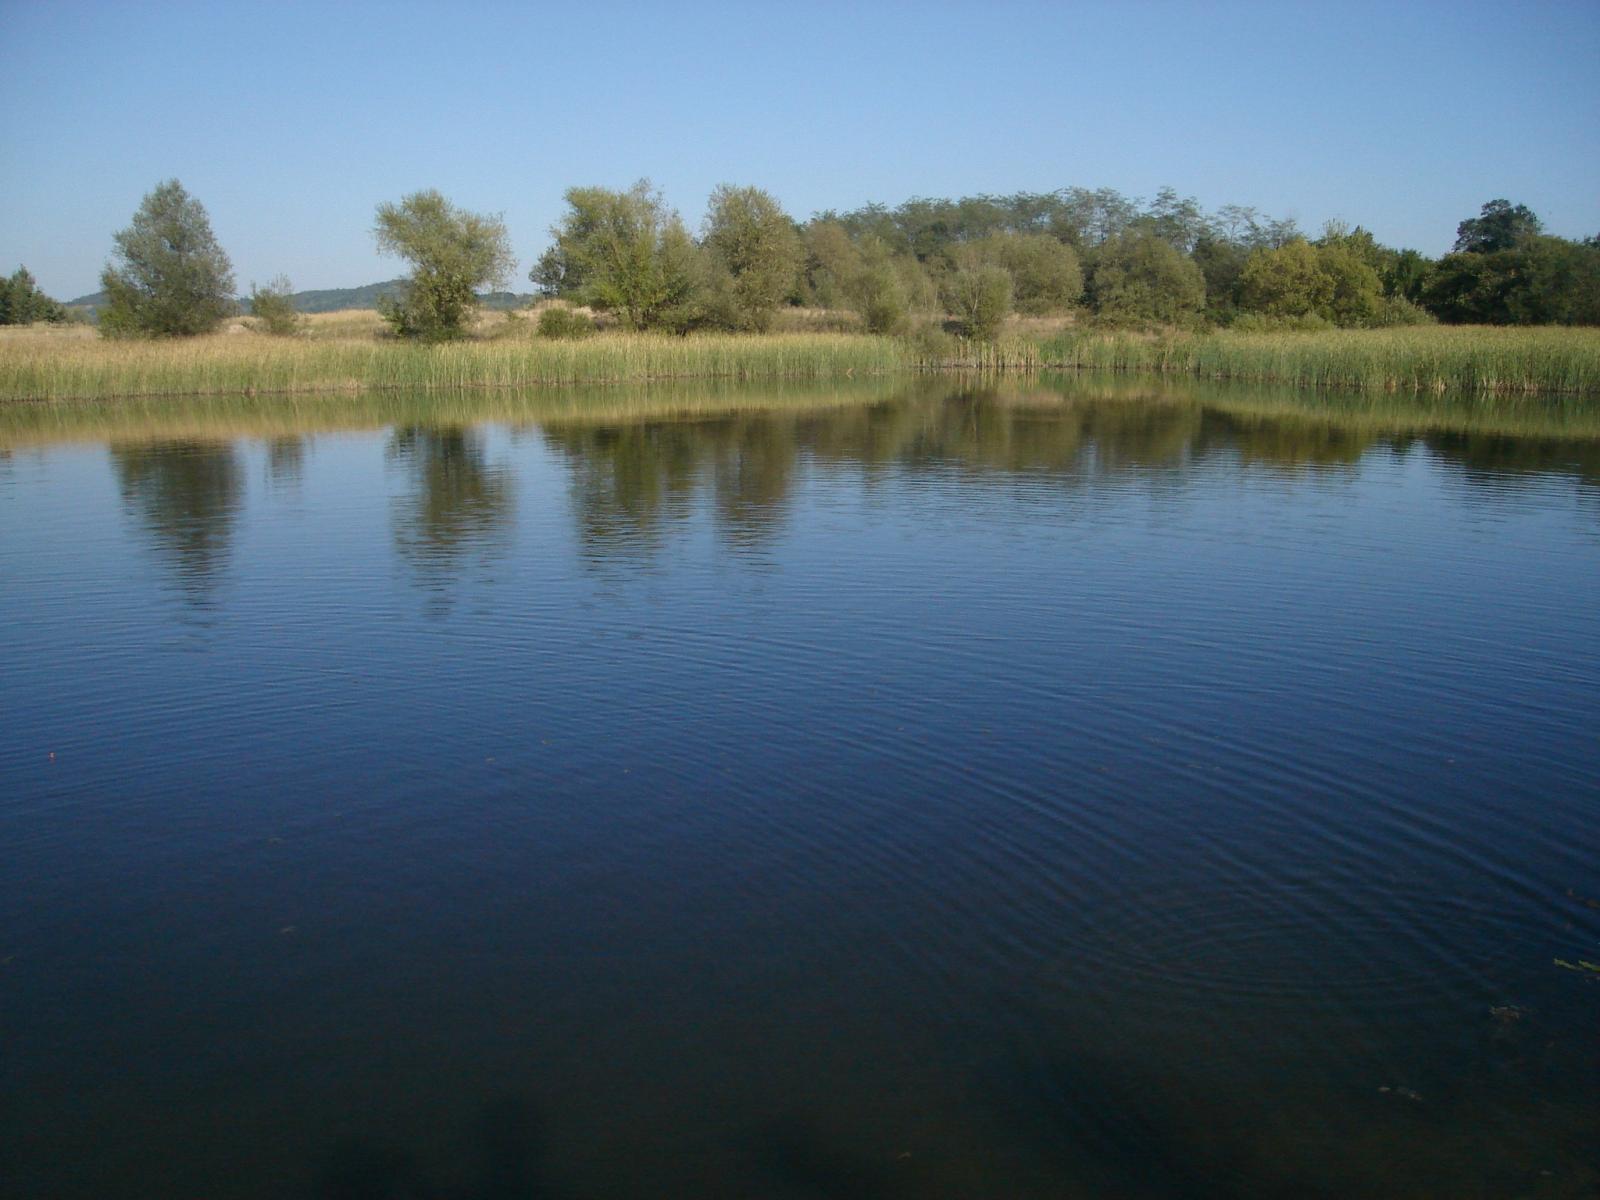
(967, 263)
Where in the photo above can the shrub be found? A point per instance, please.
(559, 321)
(980, 298)
(879, 296)
(274, 307)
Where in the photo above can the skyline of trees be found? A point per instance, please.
(629, 254)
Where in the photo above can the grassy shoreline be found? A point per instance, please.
(1470, 360)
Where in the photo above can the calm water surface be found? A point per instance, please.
(911, 792)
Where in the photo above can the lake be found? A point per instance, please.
(912, 788)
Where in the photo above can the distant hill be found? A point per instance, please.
(335, 299)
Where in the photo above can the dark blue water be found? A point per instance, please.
(963, 794)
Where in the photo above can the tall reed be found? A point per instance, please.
(1478, 360)
(46, 368)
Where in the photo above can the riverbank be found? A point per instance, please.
(1469, 360)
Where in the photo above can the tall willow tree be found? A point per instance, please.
(453, 253)
(169, 277)
(756, 248)
(625, 253)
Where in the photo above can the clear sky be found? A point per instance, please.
(291, 122)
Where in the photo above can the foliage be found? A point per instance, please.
(1284, 282)
(1406, 274)
(1045, 273)
(980, 298)
(1395, 311)
(274, 307)
(752, 241)
(1499, 225)
(1139, 276)
(170, 276)
(832, 262)
(22, 303)
(879, 295)
(453, 254)
(1221, 263)
(627, 253)
(560, 321)
(1332, 281)
(1542, 280)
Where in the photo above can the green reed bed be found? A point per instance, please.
(51, 368)
(1464, 359)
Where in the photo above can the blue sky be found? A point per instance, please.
(291, 122)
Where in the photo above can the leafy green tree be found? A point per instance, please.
(1355, 292)
(980, 298)
(1176, 219)
(832, 262)
(751, 239)
(1406, 275)
(1332, 281)
(1559, 283)
(625, 253)
(1504, 271)
(273, 306)
(1045, 273)
(1473, 288)
(22, 303)
(1141, 277)
(1285, 282)
(170, 277)
(453, 253)
(1499, 225)
(1221, 263)
(879, 295)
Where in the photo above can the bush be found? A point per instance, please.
(559, 321)
(1397, 310)
(1256, 322)
(274, 308)
(980, 299)
(22, 303)
(931, 344)
(879, 296)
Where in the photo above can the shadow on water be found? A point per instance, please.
(509, 1164)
